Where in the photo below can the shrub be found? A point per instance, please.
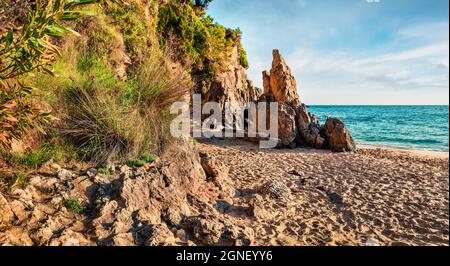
(25, 46)
(102, 128)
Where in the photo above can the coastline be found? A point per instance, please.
(417, 152)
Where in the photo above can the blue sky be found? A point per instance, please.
(349, 51)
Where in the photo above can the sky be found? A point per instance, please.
(348, 51)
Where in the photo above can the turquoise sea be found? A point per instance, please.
(404, 127)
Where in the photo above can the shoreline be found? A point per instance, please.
(417, 152)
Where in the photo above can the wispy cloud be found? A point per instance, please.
(349, 51)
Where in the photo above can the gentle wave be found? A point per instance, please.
(411, 127)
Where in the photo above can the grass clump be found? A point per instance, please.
(35, 158)
(104, 171)
(142, 160)
(73, 205)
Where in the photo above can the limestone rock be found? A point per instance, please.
(6, 214)
(287, 128)
(283, 86)
(338, 136)
(231, 84)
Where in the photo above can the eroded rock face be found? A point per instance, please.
(176, 200)
(282, 84)
(230, 84)
(299, 127)
(309, 129)
(287, 127)
(338, 136)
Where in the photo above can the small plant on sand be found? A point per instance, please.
(73, 205)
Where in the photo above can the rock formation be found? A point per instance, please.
(338, 136)
(296, 125)
(230, 84)
(172, 201)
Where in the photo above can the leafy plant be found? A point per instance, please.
(24, 48)
(30, 48)
(73, 205)
(142, 160)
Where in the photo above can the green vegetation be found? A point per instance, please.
(36, 157)
(198, 38)
(27, 47)
(142, 160)
(103, 93)
(14, 180)
(73, 205)
(104, 171)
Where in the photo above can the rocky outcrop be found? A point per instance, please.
(281, 83)
(287, 126)
(338, 136)
(230, 84)
(297, 126)
(172, 201)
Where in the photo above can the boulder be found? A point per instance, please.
(337, 136)
(287, 128)
(299, 127)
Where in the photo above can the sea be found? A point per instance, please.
(400, 127)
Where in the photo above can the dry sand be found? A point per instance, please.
(371, 197)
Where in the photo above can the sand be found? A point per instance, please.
(371, 197)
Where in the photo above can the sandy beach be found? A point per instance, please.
(373, 196)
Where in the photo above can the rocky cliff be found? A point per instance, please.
(231, 84)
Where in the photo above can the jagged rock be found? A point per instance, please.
(309, 131)
(161, 236)
(217, 172)
(209, 231)
(205, 230)
(282, 84)
(287, 128)
(338, 136)
(71, 238)
(275, 189)
(64, 175)
(6, 214)
(257, 208)
(231, 84)
(20, 210)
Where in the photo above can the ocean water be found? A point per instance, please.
(404, 127)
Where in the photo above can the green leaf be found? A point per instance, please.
(56, 30)
(48, 71)
(9, 38)
(56, 5)
(78, 2)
